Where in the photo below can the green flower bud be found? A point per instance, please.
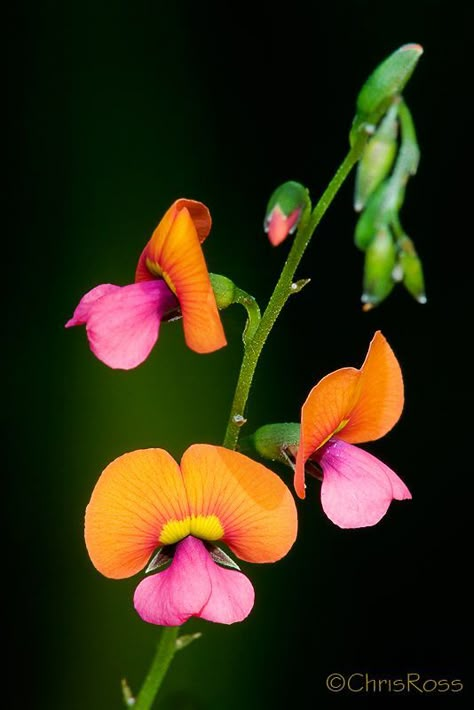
(380, 259)
(271, 441)
(377, 158)
(409, 151)
(224, 290)
(388, 79)
(374, 218)
(385, 82)
(284, 211)
(412, 270)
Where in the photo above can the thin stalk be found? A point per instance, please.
(164, 655)
(283, 290)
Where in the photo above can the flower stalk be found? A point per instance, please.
(129, 510)
(283, 290)
(167, 647)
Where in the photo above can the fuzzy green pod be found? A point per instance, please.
(374, 218)
(386, 81)
(412, 269)
(380, 260)
(377, 158)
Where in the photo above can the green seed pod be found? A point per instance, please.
(377, 158)
(380, 259)
(409, 151)
(374, 218)
(412, 269)
(387, 80)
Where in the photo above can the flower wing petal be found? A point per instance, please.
(175, 251)
(232, 595)
(136, 495)
(182, 259)
(254, 506)
(199, 214)
(123, 325)
(381, 397)
(357, 488)
(82, 312)
(201, 218)
(327, 406)
(194, 586)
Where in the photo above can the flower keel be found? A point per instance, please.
(357, 488)
(194, 585)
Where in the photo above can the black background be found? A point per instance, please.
(117, 110)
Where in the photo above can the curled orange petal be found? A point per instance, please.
(327, 407)
(381, 396)
(353, 405)
(133, 500)
(174, 253)
(254, 506)
(199, 214)
(202, 221)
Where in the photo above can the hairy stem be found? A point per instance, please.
(283, 290)
(164, 655)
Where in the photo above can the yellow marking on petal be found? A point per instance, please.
(338, 429)
(155, 269)
(205, 527)
(341, 426)
(169, 282)
(253, 505)
(380, 400)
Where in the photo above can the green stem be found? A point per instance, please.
(253, 314)
(283, 290)
(164, 655)
(255, 335)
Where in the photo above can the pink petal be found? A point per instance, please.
(279, 225)
(357, 488)
(193, 585)
(232, 596)
(82, 312)
(123, 325)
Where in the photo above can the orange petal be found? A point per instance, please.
(199, 214)
(134, 498)
(254, 506)
(184, 268)
(175, 253)
(381, 398)
(154, 246)
(201, 218)
(327, 406)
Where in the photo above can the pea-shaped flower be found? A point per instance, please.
(351, 406)
(344, 408)
(144, 501)
(171, 279)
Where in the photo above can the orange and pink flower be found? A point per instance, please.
(144, 501)
(171, 279)
(348, 407)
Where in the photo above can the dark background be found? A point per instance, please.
(116, 110)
